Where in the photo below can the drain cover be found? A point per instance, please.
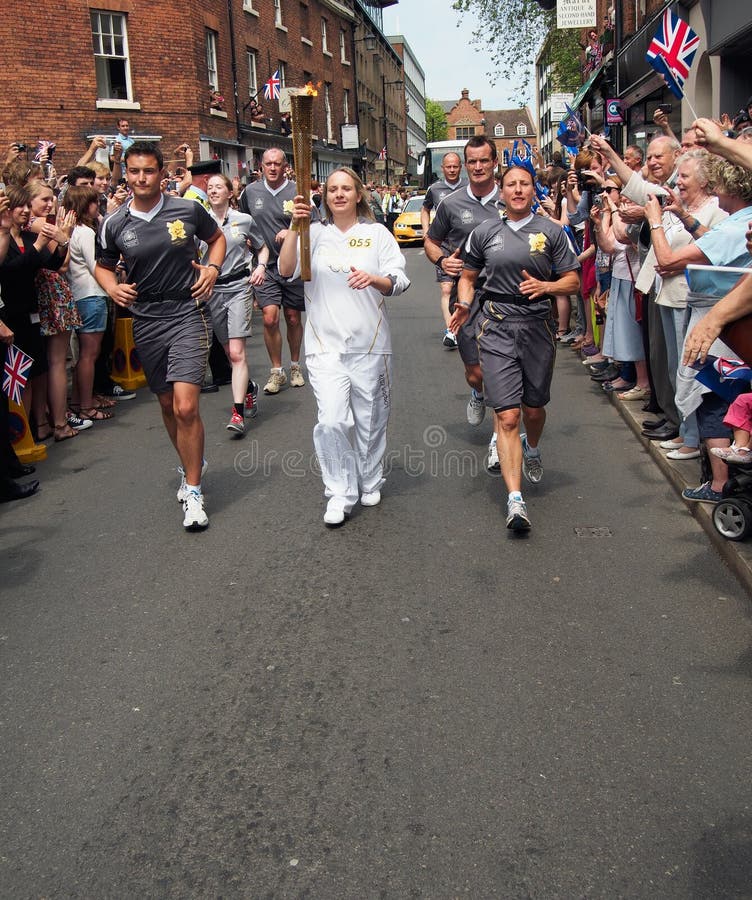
(594, 531)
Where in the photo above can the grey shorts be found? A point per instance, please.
(277, 291)
(517, 355)
(466, 336)
(231, 313)
(441, 275)
(172, 339)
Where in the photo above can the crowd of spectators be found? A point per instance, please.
(639, 221)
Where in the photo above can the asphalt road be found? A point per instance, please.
(417, 705)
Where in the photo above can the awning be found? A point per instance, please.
(580, 96)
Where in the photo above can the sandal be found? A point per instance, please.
(96, 414)
(103, 402)
(48, 433)
(64, 432)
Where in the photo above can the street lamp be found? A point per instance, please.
(384, 83)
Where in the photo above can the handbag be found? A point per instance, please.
(638, 295)
(738, 336)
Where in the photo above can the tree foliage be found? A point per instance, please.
(436, 121)
(512, 33)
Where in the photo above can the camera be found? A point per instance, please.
(21, 147)
(598, 201)
(666, 108)
(663, 200)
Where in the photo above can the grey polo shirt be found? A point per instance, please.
(158, 250)
(539, 246)
(439, 190)
(458, 214)
(271, 211)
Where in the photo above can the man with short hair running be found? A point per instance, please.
(451, 169)
(166, 290)
(270, 203)
(456, 216)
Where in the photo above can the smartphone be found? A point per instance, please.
(665, 107)
(52, 219)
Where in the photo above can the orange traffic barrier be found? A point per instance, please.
(126, 366)
(21, 437)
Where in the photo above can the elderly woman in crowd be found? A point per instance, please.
(722, 245)
(683, 218)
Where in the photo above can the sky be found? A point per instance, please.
(445, 53)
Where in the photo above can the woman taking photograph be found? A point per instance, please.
(355, 264)
(89, 297)
(231, 303)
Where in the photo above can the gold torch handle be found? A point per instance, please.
(301, 107)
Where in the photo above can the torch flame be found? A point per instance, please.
(310, 90)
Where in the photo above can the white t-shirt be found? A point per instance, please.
(81, 264)
(338, 318)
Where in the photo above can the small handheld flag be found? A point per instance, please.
(672, 51)
(17, 364)
(382, 153)
(272, 86)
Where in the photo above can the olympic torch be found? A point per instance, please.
(301, 107)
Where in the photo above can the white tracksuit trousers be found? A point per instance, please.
(353, 393)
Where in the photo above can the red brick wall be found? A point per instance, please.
(51, 88)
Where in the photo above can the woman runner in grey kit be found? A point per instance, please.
(527, 260)
(166, 290)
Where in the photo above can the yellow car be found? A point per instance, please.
(407, 228)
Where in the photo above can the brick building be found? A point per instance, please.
(466, 118)
(158, 64)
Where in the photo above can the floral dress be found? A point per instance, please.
(58, 311)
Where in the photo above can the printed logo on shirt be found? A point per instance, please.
(496, 244)
(466, 216)
(258, 203)
(129, 238)
(287, 207)
(537, 242)
(177, 231)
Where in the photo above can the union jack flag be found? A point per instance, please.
(672, 50)
(17, 364)
(382, 153)
(272, 86)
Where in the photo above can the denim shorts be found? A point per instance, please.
(93, 312)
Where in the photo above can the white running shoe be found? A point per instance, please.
(517, 518)
(181, 473)
(296, 377)
(195, 518)
(476, 409)
(492, 461)
(449, 340)
(335, 514)
(370, 498)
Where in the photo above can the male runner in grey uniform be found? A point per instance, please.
(157, 236)
(451, 168)
(527, 259)
(456, 216)
(270, 203)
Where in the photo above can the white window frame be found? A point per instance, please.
(211, 59)
(249, 8)
(324, 43)
(498, 130)
(282, 74)
(328, 110)
(253, 87)
(343, 47)
(346, 105)
(278, 15)
(106, 43)
(522, 129)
